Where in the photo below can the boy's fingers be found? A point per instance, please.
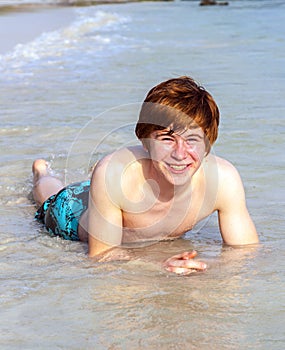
(180, 270)
(183, 264)
(183, 256)
(189, 255)
(188, 264)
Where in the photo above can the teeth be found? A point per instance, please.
(178, 167)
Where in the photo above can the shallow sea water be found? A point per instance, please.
(71, 96)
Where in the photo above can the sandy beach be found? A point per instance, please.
(23, 24)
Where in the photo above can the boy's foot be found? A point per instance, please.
(40, 169)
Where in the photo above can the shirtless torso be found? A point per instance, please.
(140, 206)
(153, 214)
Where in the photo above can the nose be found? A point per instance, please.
(179, 151)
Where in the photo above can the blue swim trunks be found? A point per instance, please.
(61, 212)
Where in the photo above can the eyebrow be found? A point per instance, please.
(196, 135)
(165, 132)
(171, 132)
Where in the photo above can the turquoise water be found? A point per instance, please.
(72, 95)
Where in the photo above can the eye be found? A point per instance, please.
(165, 138)
(192, 140)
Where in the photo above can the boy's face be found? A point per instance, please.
(177, 155)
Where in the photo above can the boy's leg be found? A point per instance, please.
(44, 184)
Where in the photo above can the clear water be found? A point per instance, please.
(72, 95)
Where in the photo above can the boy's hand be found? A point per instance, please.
(182, 264)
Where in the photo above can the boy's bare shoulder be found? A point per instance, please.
(224, 167)
(224, 177)
(120, 160)
(229, 183)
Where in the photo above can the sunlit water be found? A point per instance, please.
(71, 96)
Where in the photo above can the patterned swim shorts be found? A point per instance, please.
(61, 212)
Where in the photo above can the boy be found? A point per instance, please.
(156, 191)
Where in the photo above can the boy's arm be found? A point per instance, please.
(236, 225)
(104, 215)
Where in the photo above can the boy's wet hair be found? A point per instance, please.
(179, 104)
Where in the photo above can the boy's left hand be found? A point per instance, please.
(183, 264)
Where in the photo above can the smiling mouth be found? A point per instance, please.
(178, 167)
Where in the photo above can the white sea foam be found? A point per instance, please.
(93, 30)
